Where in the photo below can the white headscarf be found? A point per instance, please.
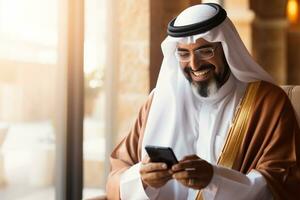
(172, 90)
(171, 120)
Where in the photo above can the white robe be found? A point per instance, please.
(212, 118)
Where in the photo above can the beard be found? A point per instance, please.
(211, 86)
(207, 88)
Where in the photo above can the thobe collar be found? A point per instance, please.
(227, 88)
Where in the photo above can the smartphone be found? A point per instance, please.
(161, 154)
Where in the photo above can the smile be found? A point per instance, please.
(201, 73)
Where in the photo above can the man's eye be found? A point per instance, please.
(183, 54)
(206, 51)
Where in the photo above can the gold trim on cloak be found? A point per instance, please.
(237, 130)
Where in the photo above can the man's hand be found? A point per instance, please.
(193, 172)
(154, 174)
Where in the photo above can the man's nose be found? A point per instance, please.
(195, 62)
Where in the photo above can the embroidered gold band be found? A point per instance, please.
(237, 130)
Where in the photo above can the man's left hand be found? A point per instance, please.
(193, 172)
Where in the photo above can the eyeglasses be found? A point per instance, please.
(202, 53)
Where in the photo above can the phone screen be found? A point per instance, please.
(161, 154)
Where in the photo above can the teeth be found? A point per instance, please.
(201, 73)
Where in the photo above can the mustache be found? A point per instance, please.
(189, 69)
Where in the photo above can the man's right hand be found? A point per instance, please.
(154, 174)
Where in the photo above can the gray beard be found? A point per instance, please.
(207, 89)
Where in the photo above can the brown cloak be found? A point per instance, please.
(271, 145)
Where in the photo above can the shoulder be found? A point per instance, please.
(271, 88)
(271, 95)
(271, 91)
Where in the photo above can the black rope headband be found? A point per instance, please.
(197, 28)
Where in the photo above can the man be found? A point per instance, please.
(234, 132)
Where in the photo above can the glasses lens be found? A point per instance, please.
(205, 53)
(183, 55)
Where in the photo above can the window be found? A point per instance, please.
(28, 65)
(95, 95)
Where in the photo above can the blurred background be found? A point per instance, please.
(116, 45)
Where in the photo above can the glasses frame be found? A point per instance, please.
(196, 52)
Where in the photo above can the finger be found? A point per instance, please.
(190, 157)
(156, 176)
(151, 167)
(184, 181)
(163, 179)
(186, 174)
(185, 165)
(157, 183)
(191, 183)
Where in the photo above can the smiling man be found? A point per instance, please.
(201, 67)
(233, 130)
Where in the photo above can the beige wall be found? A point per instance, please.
(241, 16)
(269, 37)
(161, 12)
(293, 53)
(133, 83)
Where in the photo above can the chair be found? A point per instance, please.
(103, 197)
(293, 93)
